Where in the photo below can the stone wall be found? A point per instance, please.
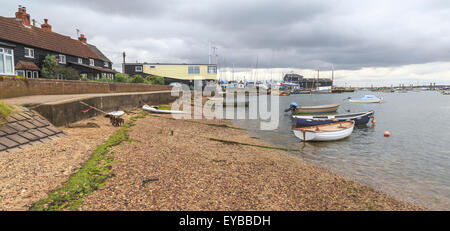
(15, 87)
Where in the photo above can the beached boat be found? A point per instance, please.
(359, 118)
(116, 113)
(236, 102)
(325, 132)
(366, 99)
(155, 109)
(299, 109)
(446, 92)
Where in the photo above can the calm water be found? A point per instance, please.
(413, 164)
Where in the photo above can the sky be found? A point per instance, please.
(367, 42)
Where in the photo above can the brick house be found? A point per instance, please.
(23, 47)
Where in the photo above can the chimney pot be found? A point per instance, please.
(82, 39)
(45, 26)
(22, 15)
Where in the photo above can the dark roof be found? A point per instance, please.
(12, 29)
(101, 69)
(22, 65)
(99, 53)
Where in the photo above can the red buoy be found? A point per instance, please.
(387, 134)
(373, 121)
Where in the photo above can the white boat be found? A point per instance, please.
(116, 113)
(325, 132)
(156, 110)
(366, 99)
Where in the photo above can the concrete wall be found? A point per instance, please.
(15, 87)
(68, 112)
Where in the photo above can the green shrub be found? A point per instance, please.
(154, 79)
(67, 73)
(5, 111)
(136, 79)
(84, 78)
(121, 78)
(48, 67)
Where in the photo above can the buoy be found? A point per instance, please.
(387, 134)
(373, 121)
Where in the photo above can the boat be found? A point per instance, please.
(359, 118)
(299, 109)
(232, 102)
(284, 93)
(366, 99)
(156, 110)
(325, 132)
(116, 113)
(446, 92)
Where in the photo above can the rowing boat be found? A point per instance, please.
(314, 109)
(366, 99)
(359, 118)
(156, 110)
(325, 132)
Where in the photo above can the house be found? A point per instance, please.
(306, 83)
(24, 46)
(174, 72)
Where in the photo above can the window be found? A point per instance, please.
(20, 73)
(212, 69)
(6, 61)
(29, 74)
(80, 60)
(29, 53)
(35, 74)
(193, 69)
(62, 59)
(91, 62)
(138, 69)
(106, 64)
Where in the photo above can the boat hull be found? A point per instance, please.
(359, 118)
(364, 101)
(155, 110)
(324, 136)
(316, 109)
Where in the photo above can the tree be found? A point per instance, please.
(49, 66)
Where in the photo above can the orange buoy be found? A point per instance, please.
(387, 134)
(373, 121)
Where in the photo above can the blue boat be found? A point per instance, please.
(359, 118)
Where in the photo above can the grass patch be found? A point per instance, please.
(90, 177)
(5, 111)
(254, 145)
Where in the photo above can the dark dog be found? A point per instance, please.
(116, 121)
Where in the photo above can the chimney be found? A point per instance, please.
(82, 39)
(45, 26)
(22, 15)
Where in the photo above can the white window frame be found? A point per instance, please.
(62, 59)
(192, 70)
(215, 70)
(35, 75)
(28, 51)
(138, 69)
(29, 72)
(80, 60)
(20, 73)
(106, 64)
(4, 53)
(91, 62)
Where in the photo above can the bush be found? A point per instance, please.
(121, 78)
(49, 67)
(154, 79)
(84, 78)
(5, 111)
(105, 80)
(67, 73)
(136, 79)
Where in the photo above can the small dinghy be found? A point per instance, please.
(325, 132)
(156, 110)
(299, 109)
(359, 118)
(366, 99)
(116, 113)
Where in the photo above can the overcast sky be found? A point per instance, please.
(368, 42)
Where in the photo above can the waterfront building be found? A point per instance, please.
(307, 83)
(24, 46)
(174, 72)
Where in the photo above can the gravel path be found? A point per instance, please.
(173, 165)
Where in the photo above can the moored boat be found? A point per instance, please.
(359, 118)
(325, 132)
(156, 110)
(299, 109)
(366, 99)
